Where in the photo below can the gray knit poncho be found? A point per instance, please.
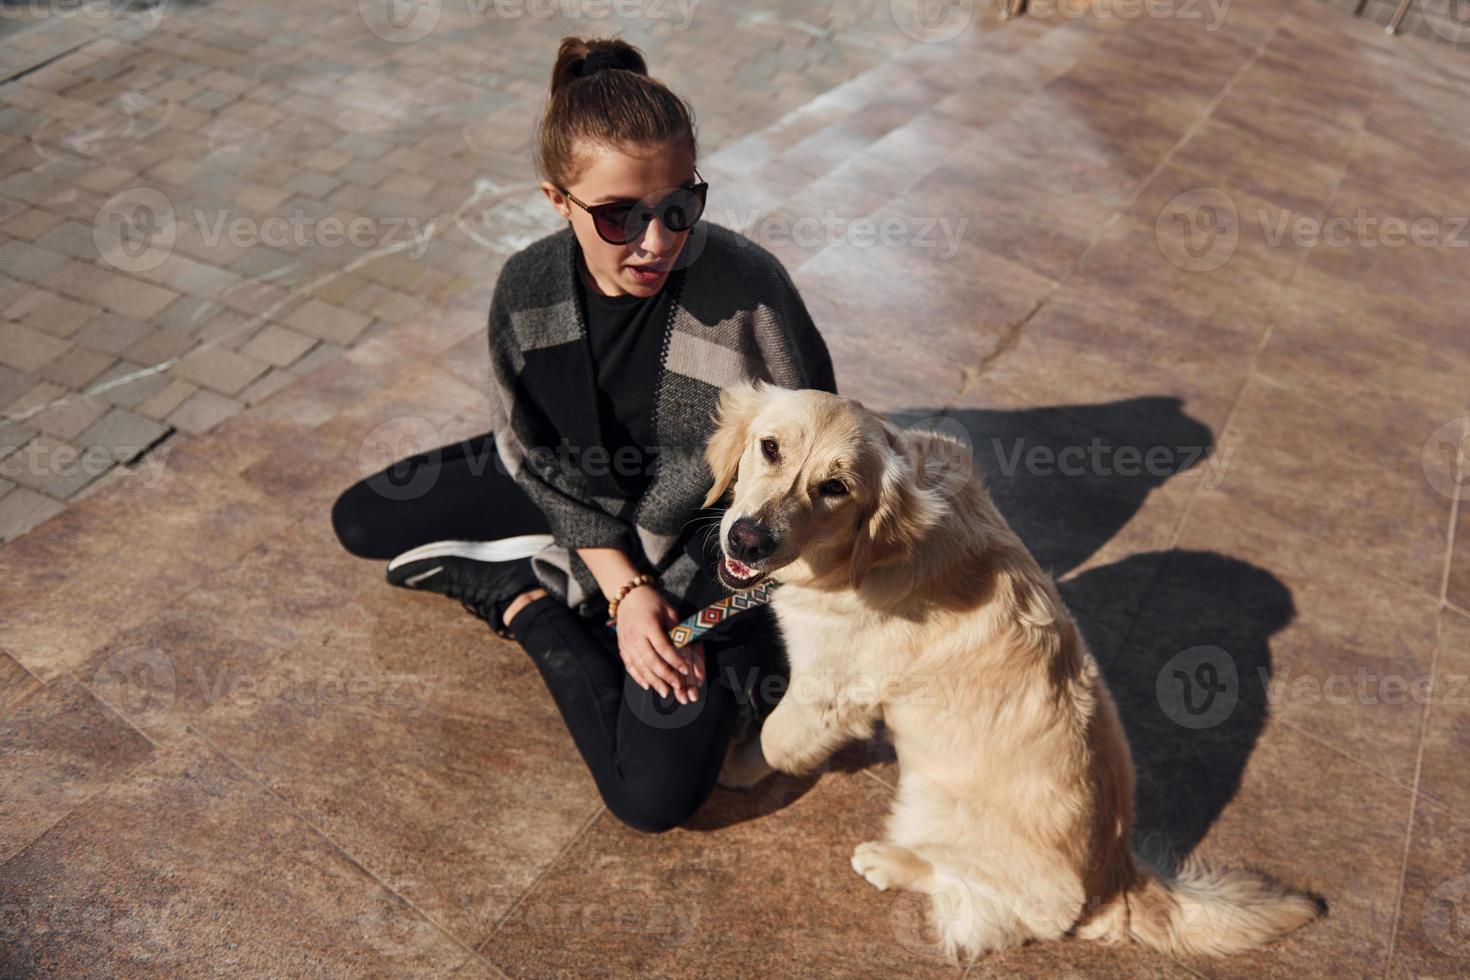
(735, 315)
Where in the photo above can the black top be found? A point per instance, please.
(626, 334)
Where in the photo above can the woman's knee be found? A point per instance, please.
(652, 810)
(347, 522)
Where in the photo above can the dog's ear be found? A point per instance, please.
(900, 512)
(739, 404)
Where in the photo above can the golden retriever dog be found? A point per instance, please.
(906, 598)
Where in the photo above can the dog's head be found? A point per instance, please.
(822, 486)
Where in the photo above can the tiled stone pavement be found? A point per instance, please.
(200, 203)
(228, 747)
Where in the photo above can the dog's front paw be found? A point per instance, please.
(887, 866)
(781, 749)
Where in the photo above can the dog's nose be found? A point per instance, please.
(749, 541)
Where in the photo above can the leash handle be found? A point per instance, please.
(715, 613)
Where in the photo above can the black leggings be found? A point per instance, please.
(654, 760)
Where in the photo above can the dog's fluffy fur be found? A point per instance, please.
(909, 599)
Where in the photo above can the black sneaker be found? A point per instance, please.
(483, 575)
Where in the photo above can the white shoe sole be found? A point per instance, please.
(502, 549)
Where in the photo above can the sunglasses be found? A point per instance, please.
(620, 222)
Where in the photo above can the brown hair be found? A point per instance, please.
(601, 93)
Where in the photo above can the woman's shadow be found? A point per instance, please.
(1182, 636)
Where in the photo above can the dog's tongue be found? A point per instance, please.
(740, 569)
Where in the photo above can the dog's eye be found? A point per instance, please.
(768, 449)
(833, 488)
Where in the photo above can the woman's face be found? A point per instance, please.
(630, 173)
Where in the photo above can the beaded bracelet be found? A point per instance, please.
(612, 604)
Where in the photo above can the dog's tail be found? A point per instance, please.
(1199, 911)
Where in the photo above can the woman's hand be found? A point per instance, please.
(644, 619)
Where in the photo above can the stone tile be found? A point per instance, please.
(159, 405)
(277, 345)
(219, 368)
(858, 295)
(126, 384)
(429, 726)
(1277, 465)
(29, 224)
(16, 683)
(52, 467)
(132, 549)
(70, 238)
(717, 893)
(22, 509)
(1321, 823)
(220, 642)
(77, 367)
(329, 323)
(61, 746)
(25, 261)
(266, 893)
(161, 344)
(49, 313)
(112, 333)
(28, 350)
(1323, 645)
(13, 384)
(69, 416)
(267, 386)
(1428, 941)
(1457, 588)
(109, 290)
(122, 434)
(201, 411)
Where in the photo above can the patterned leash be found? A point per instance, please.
(716, 613)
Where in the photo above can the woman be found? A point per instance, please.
(610, 341)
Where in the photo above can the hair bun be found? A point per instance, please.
(598, 61)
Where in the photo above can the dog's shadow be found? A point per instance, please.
(1182, 636)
